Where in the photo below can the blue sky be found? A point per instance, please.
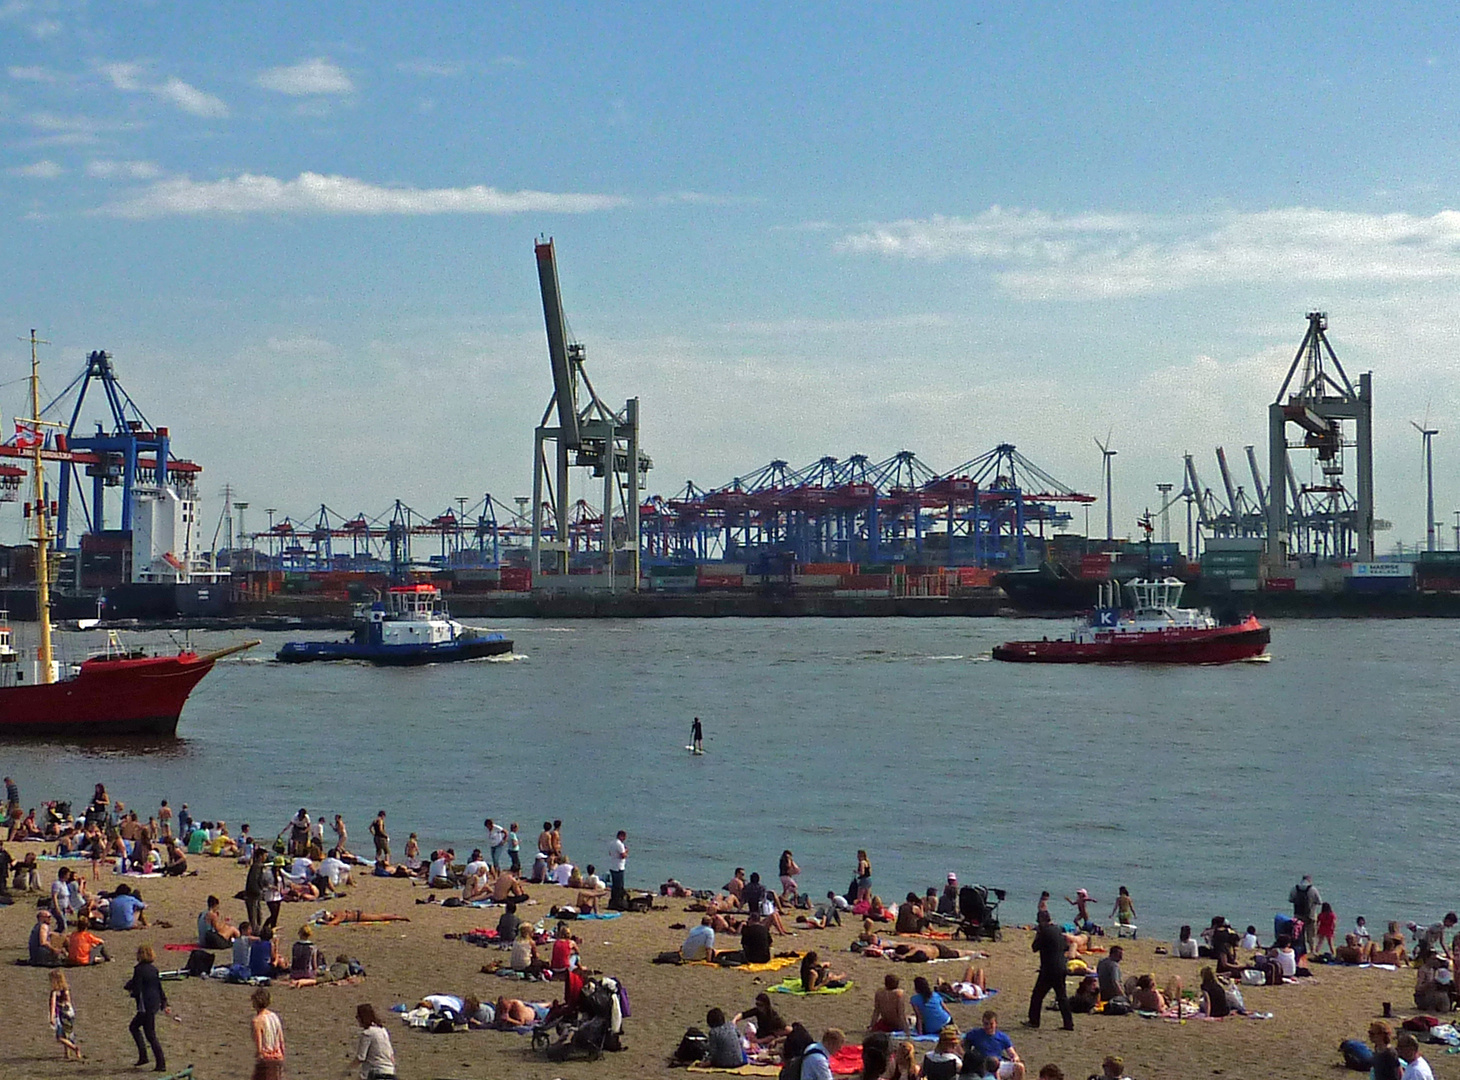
(305, 231)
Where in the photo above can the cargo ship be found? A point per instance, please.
(1154, 630)
(411, 627)
(117, 692)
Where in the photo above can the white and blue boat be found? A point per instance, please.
(412, 626)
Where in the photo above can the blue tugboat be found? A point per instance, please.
(411, 627)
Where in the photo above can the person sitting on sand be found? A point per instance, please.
(1186, 946)
(507, 925)
(83, 948)
(214, 929)
(1147, 998)
(724, 1049)
(524, 953)
(1352, 951)
(1384, 1064)
(869, 936)
(699, 943)
(943, 1062)
(304, 957)
(1433, 983)
(904, 1063)
(1415, 1066)
(476, 886)
(764, 1025)
(1113, 1068)
(564, 956)
(512, 1013)
(1213, 997)
(723, 924)
(890, 1008)
(987, 1041)
(507, 887)
(755, 941)
(818, 976)
(910, 916)
(1086, 995)
(927, 1005)
(591, 891)
(736, 885)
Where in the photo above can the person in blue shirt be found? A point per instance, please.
(989, 1042)
(928, 1003)
(125, 910)
(816, 1058)
(699, 944)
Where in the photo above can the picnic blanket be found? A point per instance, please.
(775, 964)
(847, 1061)
(792, 985)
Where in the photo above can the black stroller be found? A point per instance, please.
(980, 913)
(588, 1029)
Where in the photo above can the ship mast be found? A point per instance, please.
(42, 532)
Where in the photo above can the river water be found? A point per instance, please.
(1205, 790)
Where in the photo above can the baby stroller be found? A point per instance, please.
(589, 1029)
(979, 913)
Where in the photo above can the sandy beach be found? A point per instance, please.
(405, 961)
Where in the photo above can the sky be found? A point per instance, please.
(304, 232)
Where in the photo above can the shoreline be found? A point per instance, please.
(405, 961)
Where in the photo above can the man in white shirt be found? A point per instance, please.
(618, 859)
(334, 871)
(439, 876)
(497, 842)
(1416, 1067)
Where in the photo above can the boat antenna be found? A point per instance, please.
(32, 435)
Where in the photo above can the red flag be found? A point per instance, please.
(28, 435)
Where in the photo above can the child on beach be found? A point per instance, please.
(1361, 930)
(1327, 926)
(268, 1039)
(63, 1016)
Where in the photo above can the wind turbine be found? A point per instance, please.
(1428, 433)
(1105, 455)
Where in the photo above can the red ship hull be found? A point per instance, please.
(131, 696)
(1218, 645)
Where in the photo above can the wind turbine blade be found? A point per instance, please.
(1417, 427)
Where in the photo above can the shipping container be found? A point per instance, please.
(827, 568)
(864, 581)
(1242, 584)
(1280, 584)
(1234, 543)
(673, 584)
(720, 581)
(1381, 569)
(516, 578)
(1440, 558)
(817, 581)
(1385, 585)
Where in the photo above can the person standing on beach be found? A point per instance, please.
(1049, 943)
(1306, 903)
(514, 850)
(697, 737)
(380, 836)
(618, 860)
(146, 989)
(268, 1039)
(497, 842)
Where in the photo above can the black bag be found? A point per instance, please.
(695, 1046)
(791, 1070)
(200, 962)
(641, 903)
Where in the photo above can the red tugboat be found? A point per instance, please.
(115, 693)
(1153, 631)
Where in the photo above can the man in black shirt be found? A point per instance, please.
(755, 941)
(752, 895)
(1049, 943)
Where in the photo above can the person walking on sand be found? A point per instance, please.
(146, 989)
(618, 860)
(697, 737)
(1049, 943)
(63, 1016)
(380, 836)
(496, 843)
(268, 1039)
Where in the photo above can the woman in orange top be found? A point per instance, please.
(84, 948)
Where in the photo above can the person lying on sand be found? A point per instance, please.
(513, 1013)
(921, 952)
(974, 986)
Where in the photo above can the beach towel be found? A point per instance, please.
(936, 935)
(847, 1061)
(959, 1000)
(602, 915)
(792, 985)
(181, 948)
(739, 1070)
(775, 964)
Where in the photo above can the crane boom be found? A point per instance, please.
(565, 385)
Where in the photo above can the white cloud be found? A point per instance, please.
(701, 198)
(31, 74)
(40, 170)
(190, 99)
(131, 78)
(317, 76)
(45, 28)
(124, 76)
(60, 130)
(1037, 254)
(312, 193)
(104, 169)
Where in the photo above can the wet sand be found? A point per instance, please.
(405, 961)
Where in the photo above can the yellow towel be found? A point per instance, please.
(741, 1070)
(776, 963)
